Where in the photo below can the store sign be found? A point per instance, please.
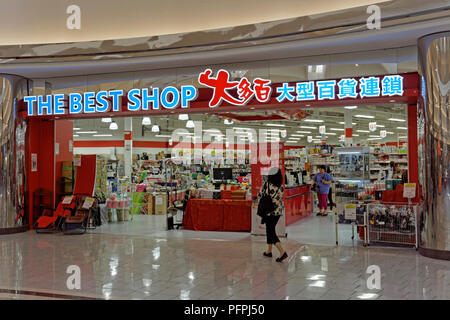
(409, 190)
(342, 137)
(322, 129)
(372, 126)
(88, 203)
(309, 139)
(350, 212)
(170, 97)
(383, 133)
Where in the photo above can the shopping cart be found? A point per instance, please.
(393, 223)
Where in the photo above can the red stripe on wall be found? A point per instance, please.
(98, 144)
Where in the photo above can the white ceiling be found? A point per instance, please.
(44, 21)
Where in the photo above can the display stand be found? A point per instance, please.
(355, 213)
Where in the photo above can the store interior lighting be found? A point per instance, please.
(92, 132)
(155, 128)
(307, 127)
(190, 124)
(395, 119)
(183, 116)
(107, 120)
(113, 126)
(146, 121)
(363, 116)
(228, 122)
(313, 120)
(102, 135)
(351, 107)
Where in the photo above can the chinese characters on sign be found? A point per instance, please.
(225, 89)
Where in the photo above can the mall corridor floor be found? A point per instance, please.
(34, 266)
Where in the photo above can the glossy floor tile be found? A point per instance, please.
(128, 261)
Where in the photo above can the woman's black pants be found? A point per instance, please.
(271, 222)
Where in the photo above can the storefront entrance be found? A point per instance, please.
(134, 174)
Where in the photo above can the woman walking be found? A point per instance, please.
(274, 189)
(323, 180)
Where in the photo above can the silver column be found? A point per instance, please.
(434, 68)
(12, 153)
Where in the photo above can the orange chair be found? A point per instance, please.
(52, 223)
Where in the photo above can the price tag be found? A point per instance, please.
(77, 161)
(350, 212)
(88, 203)
(409, 190)
(67, 200)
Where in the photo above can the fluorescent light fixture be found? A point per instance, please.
(313, 120)
(330, 133)
(401, 128)
(389, 132)
(190, 124)
(306, 127)
(226, 121)
(155, 128)
(363, 116)
(374, 138)
(113, 126)
(76, 135)
(75, 129)
(303, 131)
(297, 135)
(380, 126)
(318, 136)
(107, 120)
(275, 125)
(183, 116)
(212, 130)
(337, 129)
(102, 135)
(403, 137)
(342, 122)
(87, 132)
(355, 135)
(395, 119)
(163, 136)
(351, 107)
(365, 131)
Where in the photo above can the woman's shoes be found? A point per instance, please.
(267, 254)
(284, 256)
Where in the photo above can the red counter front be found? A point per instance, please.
(298, 203)
(218, 215)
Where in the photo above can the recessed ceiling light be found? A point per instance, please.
(337, 129)
(226, 121)
(183, 116)
(76, 135)
(344, 123)
(355, 135)
(402, 128)
(76, 129)
(330, 133)
(351, 107)
(102, 135)
(155, 128)
(380, 126)
(366, 131)
(297, 135)
(87, 132)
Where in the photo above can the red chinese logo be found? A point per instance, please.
(221, 83)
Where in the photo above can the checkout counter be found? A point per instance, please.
(298, 198)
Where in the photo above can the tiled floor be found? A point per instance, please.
(130, 261)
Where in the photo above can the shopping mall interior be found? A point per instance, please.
(137, 143)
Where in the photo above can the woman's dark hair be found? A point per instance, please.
(323, 167)
(276, 178)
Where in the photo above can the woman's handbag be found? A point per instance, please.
(266, 204)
